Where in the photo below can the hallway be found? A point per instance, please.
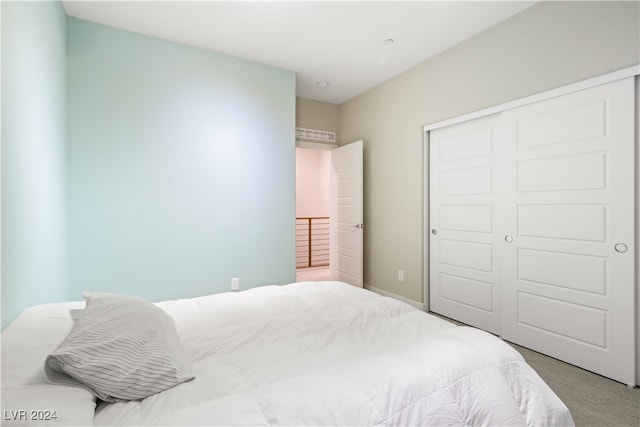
(312, 274)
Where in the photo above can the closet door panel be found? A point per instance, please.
(581, 272)
(569, 123)
(473, 218)
(568, 290)
(464, 270)
(588, 172)
(567, 221)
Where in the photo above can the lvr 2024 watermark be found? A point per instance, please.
(29, 415)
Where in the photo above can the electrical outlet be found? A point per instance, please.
(235, 283)
(401, 275)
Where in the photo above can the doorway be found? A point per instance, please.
(313, 210)
(343, 171)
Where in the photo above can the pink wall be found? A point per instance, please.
(313, 190)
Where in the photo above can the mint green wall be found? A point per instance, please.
(33, 156)
(181, 167)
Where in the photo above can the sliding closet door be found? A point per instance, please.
(463, 264)
(568, 252)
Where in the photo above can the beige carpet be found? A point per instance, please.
(592, 399)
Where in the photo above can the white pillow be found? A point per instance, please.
(121, 348)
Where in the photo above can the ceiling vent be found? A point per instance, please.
(316, 135)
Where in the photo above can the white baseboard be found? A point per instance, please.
(416, 304)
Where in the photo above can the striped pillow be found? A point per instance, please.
(121, 348)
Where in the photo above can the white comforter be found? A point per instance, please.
(332, 354)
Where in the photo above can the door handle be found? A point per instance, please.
(359, 226)
(508, 238)
(621, 248)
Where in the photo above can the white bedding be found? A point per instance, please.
(331, 354)
(26, 396)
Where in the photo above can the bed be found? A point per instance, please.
(307, 353)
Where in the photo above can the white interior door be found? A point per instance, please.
(464, 269)
(532, 212)
(568, 287)
(347, 214)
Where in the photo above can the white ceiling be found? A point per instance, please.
(339, 42)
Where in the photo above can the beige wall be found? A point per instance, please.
(548, 45)
(317, 115)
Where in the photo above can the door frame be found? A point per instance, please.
(330, 147)
(315, 145)
(633, 71)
